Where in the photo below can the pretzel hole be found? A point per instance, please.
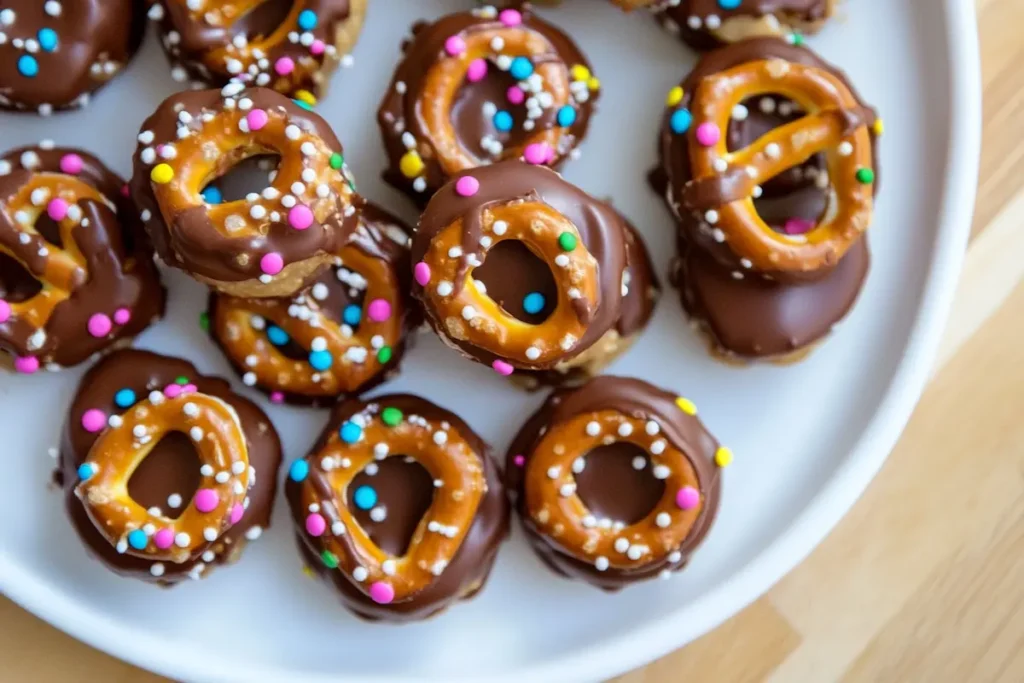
(404, 489)
(49, 230)
(170, 469)
(16, 283)
(263, 19)
(612, 486)
(519, 281)
(238, 177)
(483, 114)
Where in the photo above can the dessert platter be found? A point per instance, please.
(380, 340)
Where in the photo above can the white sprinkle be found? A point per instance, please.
(210, 534)
(532, 353)
(157, 569)
(388, 567)
(562, 260)
(139, 430)
(252, 533)
(360, 574)
(639, 462)
(554, 471)
(249, 379)
(658, 447)
(499, 227)
(196, 433)
(440, 438)
(338, 529)
(625, 429)
(772, 150)
(663, 520)
(621, 545)
(845, 149)
(601, 563)
(378, 514)
(181, 539)
(206, 470)
(593, 428)
(567, 490)
(578, 464)
(468, 312)
(661, 472)
(635, 552)
(222, 477)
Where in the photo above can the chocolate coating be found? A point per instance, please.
(400, 114)
(682, 17)
(80, 45)
(607, 491)
(170, 468)
(406, 491)
(119, 271)
(601, 229)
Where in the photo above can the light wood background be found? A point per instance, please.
(924, 579)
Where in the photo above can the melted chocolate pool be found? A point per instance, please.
(405, 491)
(172, 467)
(476, 113)
(16, 283)
(611, 486)
(248, 175)
(511, 273)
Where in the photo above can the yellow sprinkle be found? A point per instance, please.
(580, 73)
(307, 571)
(686, 405)
(878, 128)
(411, 164)
(675, 96)
(162, 174)
(306, 96)
(594, 83)
(723, 457)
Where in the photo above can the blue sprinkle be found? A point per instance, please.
(138, 539)
(350, 432)
(307, 20)
(28, 66)
(680, 121)
(365, 497)
(533, 303)
(521, 68)
(729, 4)
(299, 470)
(86, 470)
(125, 398)
(352, 314)
(566, 116)
(321, 360)
(503, 121)
(47, 39)
(211, 195)
(277, 336)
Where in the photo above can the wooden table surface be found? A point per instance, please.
(924, 579)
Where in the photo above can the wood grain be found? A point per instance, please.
(924, 579)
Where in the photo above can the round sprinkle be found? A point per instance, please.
(122, 316)
(352, 314)
(510, 17)
(211, 195)
(708, 133)
(455, 46)
(161, 174)
(350, 432)
(502, 368)
(99, 325)
(138, 539)
(124, 398)
(307, 20)
(316, 525)
(467, 186)
(321, 360)
(257, 119)
(723, 456)
(411, 164)
(28, 66)
(329, 559)
(300, 217)
(57, 209)
(533, 303)
(384, 355)
(365, 497)
(206, 500)
(729, 4)
(86, 470)
(538, 153)
(797, 226)
(674, 97)
(276, 397)
(519, 461)
(865, 176)
(680, 121)
(391, 416)
(277, 336)
(379, 310)
(503, 121)
(421, 273)
(163, 539)
(71, 164)
(47, 39)
(26, 364)
(236, 514)
(567, 241)
(93, 420)
(5, 311)
(686, 405)
(521, 68)
(515, 95)
(272, 263)
(687, 498)
(382, 593)
(284, 66)
(477, 70)
(298, 471)
(566, 116)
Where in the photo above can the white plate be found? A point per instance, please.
(807, 438)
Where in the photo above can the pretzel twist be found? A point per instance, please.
(220, 502)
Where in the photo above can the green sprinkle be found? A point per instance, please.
(329, 559)
(204, 321)
(567, 241)
(865, 176)
(336, 161)
(795, 39)
(181, 380)
(384, 355)
(391, 416)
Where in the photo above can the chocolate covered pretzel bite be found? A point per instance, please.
(615, 481)
(166, 473)
(399, 507)
(270, 243)
(520, 270)
(342, 335)
(481, 86)
(772, 212)
(291, 46)
(76, 272)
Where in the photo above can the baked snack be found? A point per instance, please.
(480, 86)
(76, 272)
(705, 24)
(615, 481)
(339, 337)
(269, 243)
(772, 201)
(166, 473)
(291, 47)
(399, 507)
(55, 54)
(519, 269)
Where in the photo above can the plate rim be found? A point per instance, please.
(626, 651)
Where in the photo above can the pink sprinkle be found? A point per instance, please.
(125, 190)
(455, 46)
(379, 310)
(315, 524)
(163, 539)
(516, 95)
(71, 164)
(57, 209)
(93, 420)
(797, 226)
(5, 308)
(467, 186)
(100, 325)
(257, 118)
(502, 368)
(173, 390)
(421, 272)
(284, 66)
(382, 593)
(300, 217)
(708, 133)
(537, 153)
(26, 365)
(318, 47)
(276, 397)
(477, 70)
(510, 17)
(189, 389)
(122, 316)
(206, 500)
(236, 513)
(519, 461)
(688, 498)
(272, 263)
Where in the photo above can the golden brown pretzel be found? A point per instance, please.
(834, 125)
(220, 443)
